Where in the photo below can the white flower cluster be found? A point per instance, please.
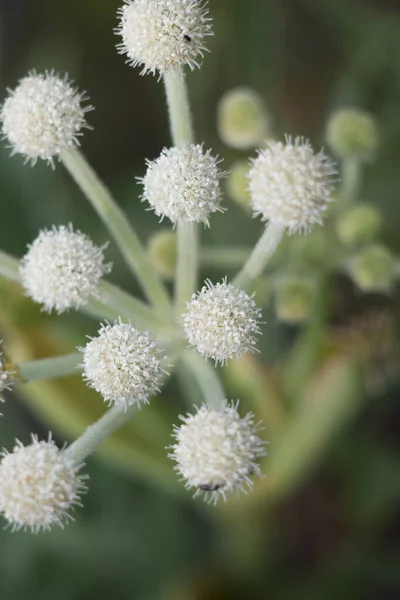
(183, 184)
(159, 35)
(290, 185)
(221, 321)
(62, 269)
(217, 451)
(43, 116)
(39, 485)
(123, 364)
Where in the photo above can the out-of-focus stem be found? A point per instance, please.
(118, 226)
(9, 267)
(260, 256)
(351, 179)
(49, 368)
(206, 377)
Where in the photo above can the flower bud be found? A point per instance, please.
(162, 252)
(352, 133)
(237, 184)
(374, 269)
(242, 118)
(359, 225)
(294, 299)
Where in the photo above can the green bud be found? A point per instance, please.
(162, 252)
(294, 299)
(373, 269)
(359, 225)
(352, 133)
(238, 185)
(242, 119)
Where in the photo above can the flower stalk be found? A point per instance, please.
(49, 368)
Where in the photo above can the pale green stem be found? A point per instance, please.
(97, 433)
(260, 256)
(118, 226)
(224, 257)
(206, 376)
(50, 368)
(9, 267)
(187, 233)
(351, 180)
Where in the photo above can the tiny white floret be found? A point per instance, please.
(183, 184)
(290, 185)
(217, 451)
(222, 321)
(39, 485)
(123, 364)
(43, 116)
(159, 35)
(62, 269)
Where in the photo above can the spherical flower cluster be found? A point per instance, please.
(43, 116)
(221, 321)
(39, 484)
(183, 184)
(217, 451)
(290, 185)
(123, 364)
(163, 34)
(62, 269)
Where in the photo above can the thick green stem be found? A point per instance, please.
(118, 226)
(206, 377)
(50, 368)
(224, 257)
(9, 267)
(187, 233)
(95, 434)
(260, 256)
(351, 180)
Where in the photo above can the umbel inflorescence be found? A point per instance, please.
(216, 451)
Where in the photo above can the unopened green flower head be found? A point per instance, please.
(374, 269)
(237, 184)
(294, 299)
(360, 224)
(162, 252)
(43, 116)
(352, 133)
(242, 119)
(159, 35)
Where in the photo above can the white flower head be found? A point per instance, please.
(183, 184)
(43, 116)
(39, 485)
(217, 451)
(221, 321)
(62, 269)
(291, 185)
(159, 35)
(123, 364)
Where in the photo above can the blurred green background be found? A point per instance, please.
(330, 530)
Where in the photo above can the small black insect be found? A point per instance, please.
(187, 38)
(210, 487)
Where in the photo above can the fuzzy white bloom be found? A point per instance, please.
(159, 35)
(39, 485)
(217, 451)
(62, 269)
(183, 184)
(290, 185)
(43, 116)
(221, 321)
(123, 364)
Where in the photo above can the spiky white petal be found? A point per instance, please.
(291, 185)
(217, 451)
(159, 35)
(221, 321)
(39, 485)
(43, 116)
(123, 364)
(183, 184)
(62, 269)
